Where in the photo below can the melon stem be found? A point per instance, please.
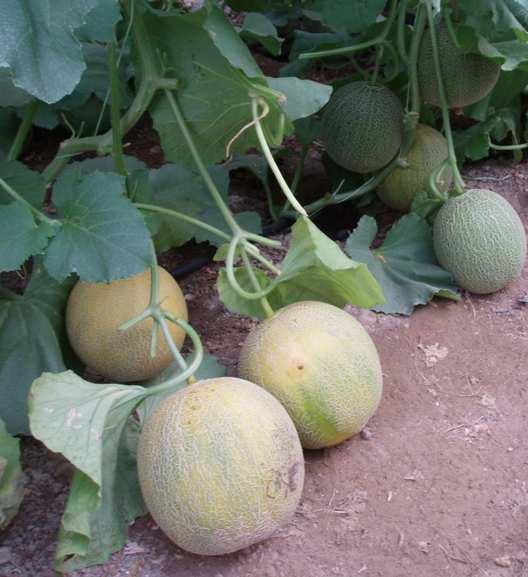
(160, 317)
(115, 109)
(23, 130)
(419, 27)
(457, 178)
(402, 15)
(255, 102)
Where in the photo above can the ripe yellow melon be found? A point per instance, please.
(220, 466)
(95, 311)
(322, 366)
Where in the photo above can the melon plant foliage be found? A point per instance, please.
(91, 70)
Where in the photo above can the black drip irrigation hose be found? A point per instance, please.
(195, 264)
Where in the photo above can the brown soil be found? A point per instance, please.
(435, 486)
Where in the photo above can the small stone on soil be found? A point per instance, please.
(503, 562)
(366, 434)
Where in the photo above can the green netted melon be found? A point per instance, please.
(322, 366)
(95, 311)
(467, 77)
(362, 126)
(427, 153)
(220, 466)
(480, 240)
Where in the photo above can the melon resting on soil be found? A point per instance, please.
(322, 366)
(427, 153)
(95, 311)
(362, 126)
(467, 77)
(480, 240)
(220, 466)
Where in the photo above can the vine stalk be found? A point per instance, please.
(457, 178)
(23, 130)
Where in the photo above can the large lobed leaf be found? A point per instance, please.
(498, 29)
(184, 191)
(218, 76)
(404, 265)
(258, 28)
(345, 15)
(102, 236)
(40, 54)
(89, 424)
(11, 477)
(315, 268)
(31, 330)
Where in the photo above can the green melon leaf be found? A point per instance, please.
(99, 22)
(20, 236)
(10, 95)
(227, 41)
(304, 41)
(40, 52)
(315, 268)
(90, 425)
(95, 80)
(404, 265)
(11, 477)
(345, 15)
(258, 28)
(210, 60)
(498, 29)
(303, 97)
(27, 183)
(103, 237)
(31, 333)
(473, 142)
(184, 191)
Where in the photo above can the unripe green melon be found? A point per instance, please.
(480, 240)
(467, 77)
(427, 153)
(362, 126)
(220, 466)
(322, 366)
(95, 311)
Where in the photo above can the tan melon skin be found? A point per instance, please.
(220, 466)
(322, 366)
(95, 311)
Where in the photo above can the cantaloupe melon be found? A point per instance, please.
(362, 126)
(467, 77)
(322, 366)
(427, 153)
(95, 311)
(220, 466)
(480, 239)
